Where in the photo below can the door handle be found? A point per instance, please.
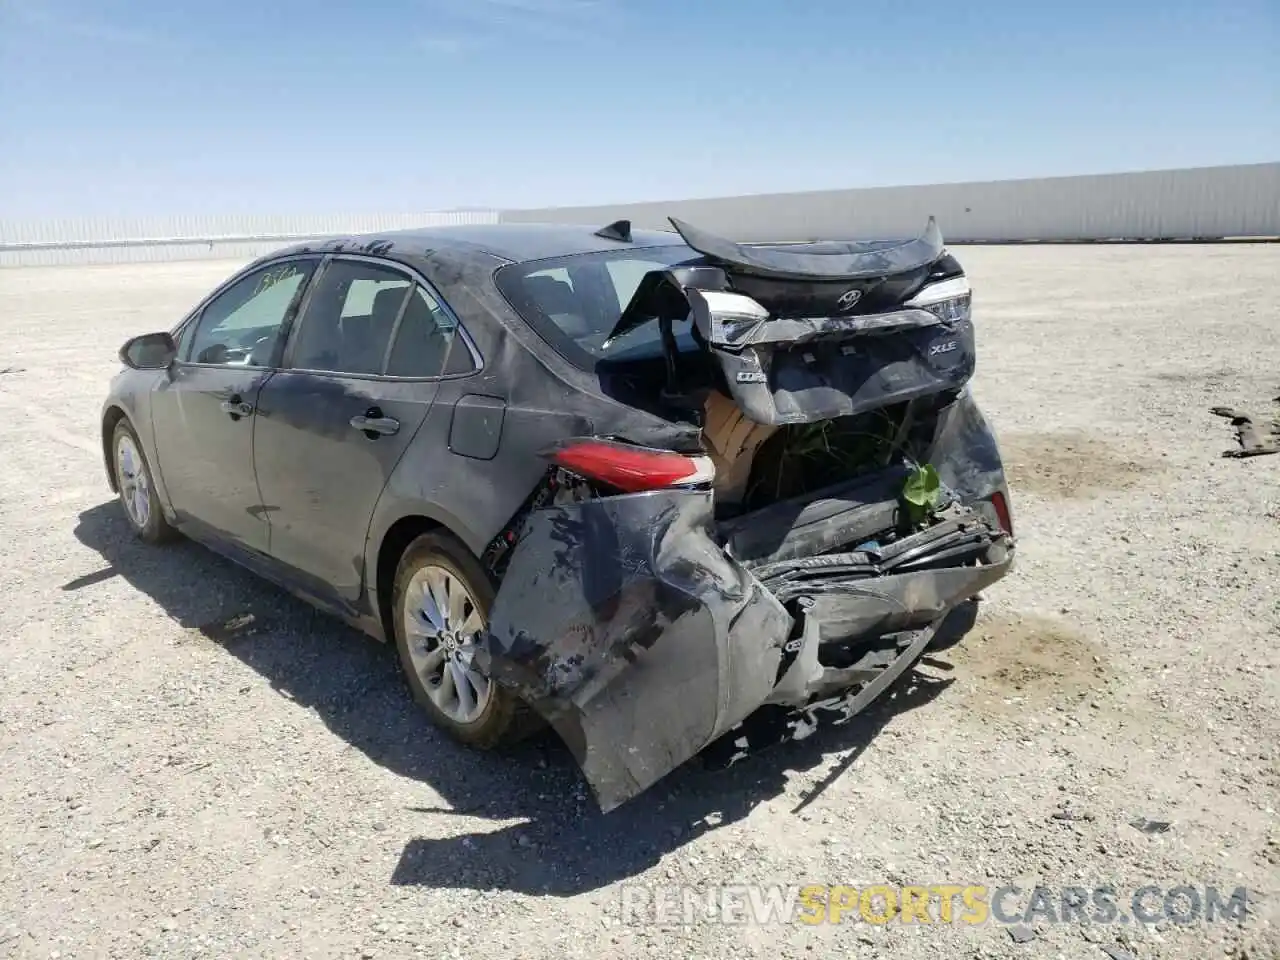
(373, 424)
(236, 408)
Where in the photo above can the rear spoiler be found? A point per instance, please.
(664, 294)
(818, 260)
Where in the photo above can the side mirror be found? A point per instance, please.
(151, 351)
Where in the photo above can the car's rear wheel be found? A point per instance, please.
(441, 607)
(136, 489)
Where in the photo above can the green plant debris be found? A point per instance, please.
(921, 492)
(803, 457)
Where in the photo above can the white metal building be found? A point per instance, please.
(1202, 203)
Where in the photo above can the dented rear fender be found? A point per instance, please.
(627, 628)
(966, 455)
(622, 621)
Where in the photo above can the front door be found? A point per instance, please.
(204, 412)
(359, 376)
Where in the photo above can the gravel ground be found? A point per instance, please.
(173, 786)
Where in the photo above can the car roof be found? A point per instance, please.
(515, 242)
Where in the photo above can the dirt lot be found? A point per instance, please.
(173, 787)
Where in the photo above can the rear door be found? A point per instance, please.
(204, 412)
(360, 372)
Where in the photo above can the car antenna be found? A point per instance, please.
(618, 230)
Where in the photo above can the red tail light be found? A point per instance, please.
(629, 468)
(1001, 504)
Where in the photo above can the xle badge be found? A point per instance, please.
(947, 347)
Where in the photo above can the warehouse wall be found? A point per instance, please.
(1209, 202)
(133, 240)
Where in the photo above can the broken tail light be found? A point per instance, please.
(949, 300)
(1001, 504)
(630, 468)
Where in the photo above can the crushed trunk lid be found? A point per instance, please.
(809, 332)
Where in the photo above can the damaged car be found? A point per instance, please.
(644, 487)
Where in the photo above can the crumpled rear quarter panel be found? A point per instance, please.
(627, 628)
(966, 454)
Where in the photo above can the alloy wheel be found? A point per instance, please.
(134, 483)
(441, 624)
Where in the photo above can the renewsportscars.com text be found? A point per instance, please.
(944, 903)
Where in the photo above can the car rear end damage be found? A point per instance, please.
(655, 602)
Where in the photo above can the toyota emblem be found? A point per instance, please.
(849, 299)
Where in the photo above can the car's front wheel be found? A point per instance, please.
(441, 602)
(137, 491)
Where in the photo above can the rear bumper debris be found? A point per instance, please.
(625, 624)
(775, 723)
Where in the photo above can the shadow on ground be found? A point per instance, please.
(561, 844)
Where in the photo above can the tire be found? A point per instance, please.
(499, 717)
(136, 487)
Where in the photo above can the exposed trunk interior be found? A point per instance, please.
(808, 386)
(758, 465)
(806, 366)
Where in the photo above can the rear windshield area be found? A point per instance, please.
(573, 302)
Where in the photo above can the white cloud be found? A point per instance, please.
(57, 19)
(549, 19)
(445, 44)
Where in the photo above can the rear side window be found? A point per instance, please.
(574, 302)
(350, 318)
(423, 341)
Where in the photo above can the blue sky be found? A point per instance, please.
(284, 106)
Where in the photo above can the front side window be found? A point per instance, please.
(241, 326)
(350, 318)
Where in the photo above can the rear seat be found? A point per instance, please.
(364, 339)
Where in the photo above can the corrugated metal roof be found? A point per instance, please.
(1208, 202)
(1163, 204)
(143, 239)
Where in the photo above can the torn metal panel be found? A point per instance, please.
(848, 513)
(850, 690)
(798, 351)
(829, 379)
(628, 629)
(881, 665)
(805, 369)
(905, 585)
(733, 320)
(965, 451)
(897, 602)
(813, 280)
